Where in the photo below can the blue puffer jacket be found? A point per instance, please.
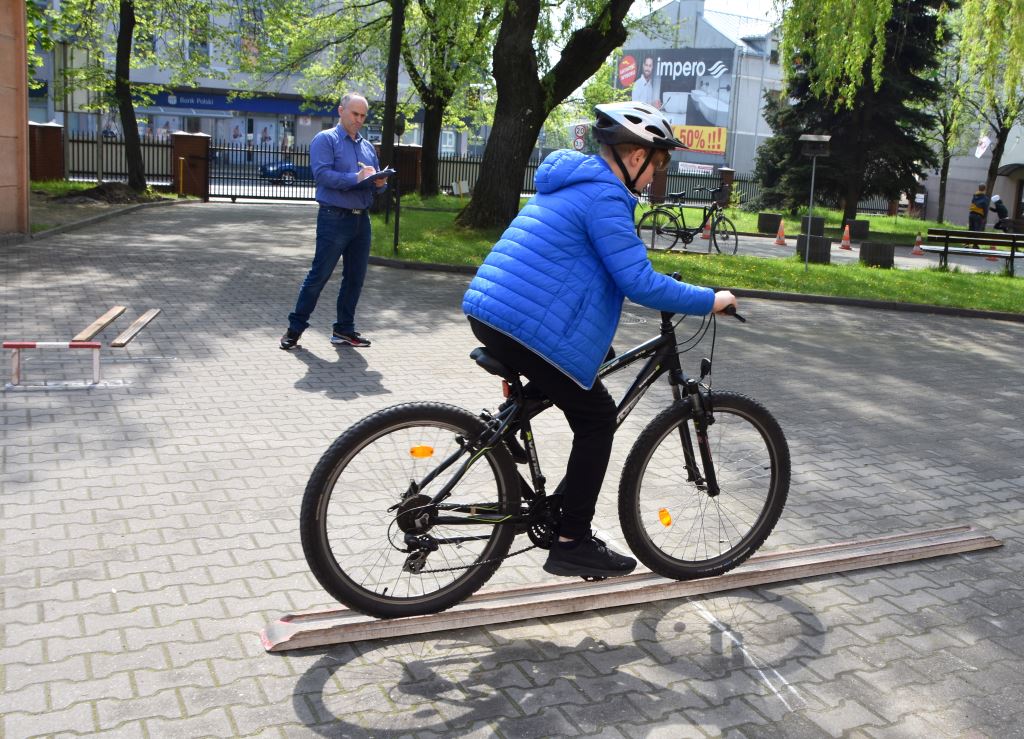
(556, 279)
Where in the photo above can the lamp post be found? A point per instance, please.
(814, 146)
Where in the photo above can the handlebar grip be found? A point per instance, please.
(730, 310)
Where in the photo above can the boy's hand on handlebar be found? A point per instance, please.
(724, 299)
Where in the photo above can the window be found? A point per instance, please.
(447, 142)
(197, 42)
(250, 29)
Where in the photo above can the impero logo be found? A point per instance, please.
(690, 69)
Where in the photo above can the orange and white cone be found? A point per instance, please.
(780, 239)
(992, 259)
(917, 251)
(707, 231)
(846, 239)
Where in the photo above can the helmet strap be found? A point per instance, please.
(631, 181)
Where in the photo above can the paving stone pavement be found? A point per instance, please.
(149, 527)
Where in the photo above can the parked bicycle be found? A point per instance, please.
(415, 507)
(665, 225)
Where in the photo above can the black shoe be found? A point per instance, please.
(589, 557)
(290, 340)
(352, 339)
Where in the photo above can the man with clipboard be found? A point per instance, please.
(347, 175)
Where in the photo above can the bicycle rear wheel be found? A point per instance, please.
(363, 503)
(724, 237)
(658, 228)
(672, 525)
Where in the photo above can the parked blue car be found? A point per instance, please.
(288, 173)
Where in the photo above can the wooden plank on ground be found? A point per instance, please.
(137, 325)
(87, 333)
(315, 629)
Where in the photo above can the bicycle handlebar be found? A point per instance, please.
(729, 310)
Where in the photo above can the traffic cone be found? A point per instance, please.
(846, 239)
(992, 259)
(707, 231)
(917, 251)
(780, 239)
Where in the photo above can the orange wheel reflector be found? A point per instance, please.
(422, 452)
(665, 517)
(505, 390)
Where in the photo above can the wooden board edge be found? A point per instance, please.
(296, 631)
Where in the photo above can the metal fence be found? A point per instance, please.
(464, 171)
(272, 172)
(89, 157)
(260, 172)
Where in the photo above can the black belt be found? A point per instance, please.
(336, 209)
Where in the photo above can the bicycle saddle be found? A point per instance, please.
(492, 365)
(677, 195)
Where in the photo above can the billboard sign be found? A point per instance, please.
(692, 87)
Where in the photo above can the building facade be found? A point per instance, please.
(708, 73)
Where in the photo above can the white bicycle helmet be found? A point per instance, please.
(634, 123)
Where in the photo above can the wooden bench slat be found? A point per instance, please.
(87, 333)
(973, 252)
(132, 331)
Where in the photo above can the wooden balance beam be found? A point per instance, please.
(320, 628)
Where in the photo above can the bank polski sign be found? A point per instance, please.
(692, 87)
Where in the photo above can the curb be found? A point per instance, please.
(941, 310)
(97, 218)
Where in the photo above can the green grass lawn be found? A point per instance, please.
(886, 229)
(431, 236)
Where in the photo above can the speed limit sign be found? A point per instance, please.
(581, 130)
(577, 144)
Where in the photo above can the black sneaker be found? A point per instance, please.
(290, 340)
(352, 339)
(589, 557)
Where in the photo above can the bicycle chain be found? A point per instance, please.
(475, 564)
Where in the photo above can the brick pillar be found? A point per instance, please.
(727, 175)
(659, 186)
(13, 120)
(46, 151)
(190, 164)
(408, 163)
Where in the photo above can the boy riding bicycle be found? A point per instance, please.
(547, 299)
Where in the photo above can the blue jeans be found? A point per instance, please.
(339, 235)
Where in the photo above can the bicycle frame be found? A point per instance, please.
(709, 213)
(661, 358)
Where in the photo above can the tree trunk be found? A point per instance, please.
(943, 181)
(387, 135)
(1002, 134)
(433, 115)
(524, 100)
(123, 95)
(851, 198)
(495, 199)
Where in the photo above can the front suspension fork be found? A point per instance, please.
(702, 419)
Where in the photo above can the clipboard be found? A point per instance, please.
(387, 172)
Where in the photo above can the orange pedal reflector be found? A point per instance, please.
(665, 517)
(422, 452)
(505, 389)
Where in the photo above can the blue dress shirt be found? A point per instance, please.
(334, 157)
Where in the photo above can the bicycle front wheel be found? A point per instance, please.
(371, 535)
(724, 237)
(673, 525)
(658, 228)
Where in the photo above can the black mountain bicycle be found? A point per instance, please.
(665, 225)
(412, 509)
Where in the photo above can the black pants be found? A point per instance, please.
(591, 416)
